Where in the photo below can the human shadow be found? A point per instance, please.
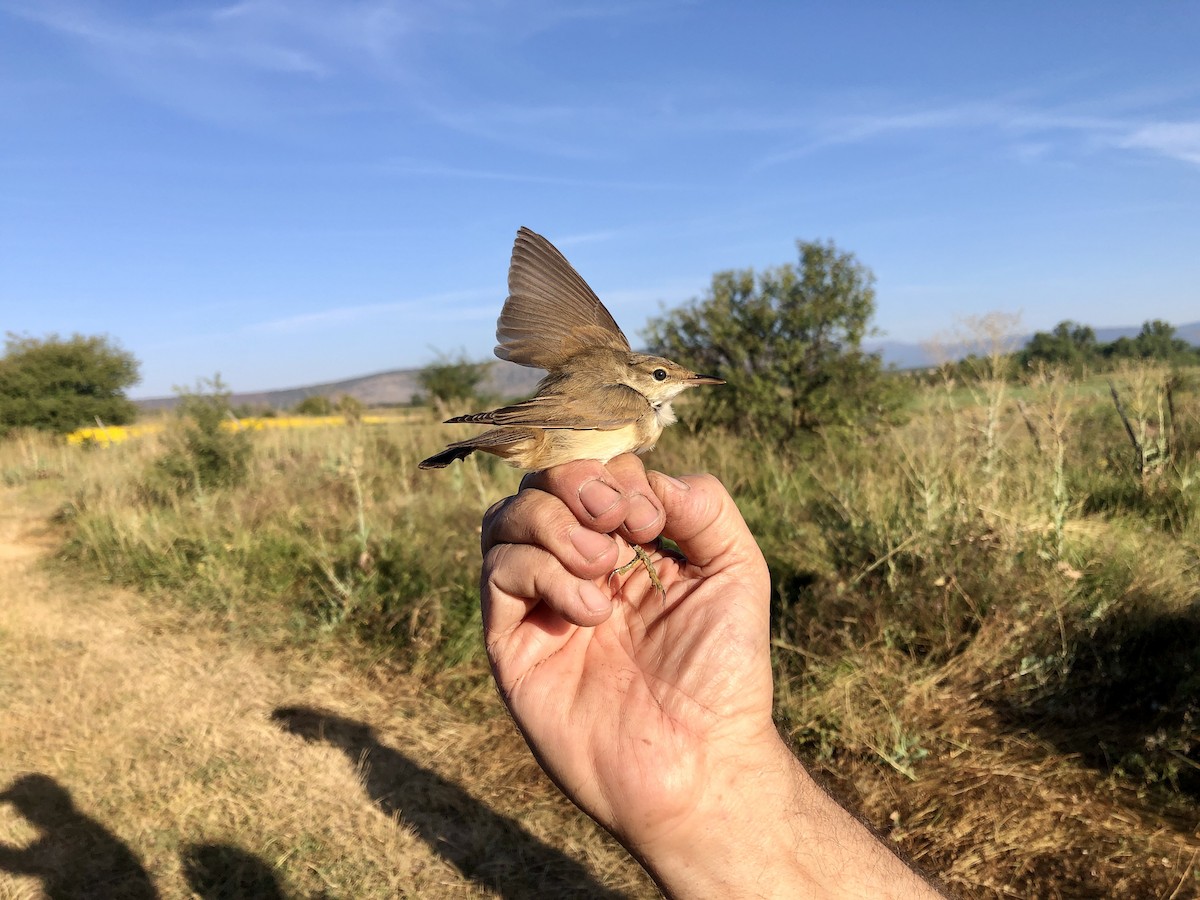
(74, 855)
(225, 872)
(491, 849)
(1129, 700)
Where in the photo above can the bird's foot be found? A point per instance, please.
(641, 556)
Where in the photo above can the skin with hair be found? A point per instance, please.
(652, 710)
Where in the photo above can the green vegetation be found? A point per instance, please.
(350, 407)
(316, 405)
(451, 382)
(1074, 348)
(58, 385)
(306, 535)
(320, 405)
(986, 618)
(201, 452)
(788, 341)
(985, 614)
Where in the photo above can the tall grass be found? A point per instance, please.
(989, 611)
(327, 534)
(993, 610)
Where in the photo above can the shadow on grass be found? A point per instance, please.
(1130, 702)
(74, 855)
(492, 850)
(224, 872)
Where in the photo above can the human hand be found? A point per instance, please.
(641, 707)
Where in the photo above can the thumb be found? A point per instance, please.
(704, 521)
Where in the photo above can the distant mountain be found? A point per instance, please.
(391, 388)
(905, 355)
(508, 380)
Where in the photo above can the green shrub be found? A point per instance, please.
(205, 450)
(60, 385)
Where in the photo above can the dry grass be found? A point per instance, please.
(173, 759)
(992, 806)
(987, 633)
(1001, 670)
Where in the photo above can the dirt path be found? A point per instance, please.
(142, 758)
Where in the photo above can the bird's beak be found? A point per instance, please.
(704, 379)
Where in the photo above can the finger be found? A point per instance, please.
(539, 519)
(646, 517)
(520, 580)
(493, 514)
(706, 524)
(608, 498)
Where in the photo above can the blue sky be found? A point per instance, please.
(292, 192)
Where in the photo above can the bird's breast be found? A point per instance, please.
(664, 415)
(562, 445)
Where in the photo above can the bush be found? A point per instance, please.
(202, 453)
(789, 343)
(60, 385)
(316, 405)
(451, 381)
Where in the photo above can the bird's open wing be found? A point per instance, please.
(551, 314)
(610, 407)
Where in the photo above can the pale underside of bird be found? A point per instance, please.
(598, 400)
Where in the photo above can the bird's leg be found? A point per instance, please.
(640, 555)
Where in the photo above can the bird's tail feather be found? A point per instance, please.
(503, 442)
(447, 456)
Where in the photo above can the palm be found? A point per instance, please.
(639, 697)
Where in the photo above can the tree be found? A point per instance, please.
(452, 380)
(1070, 345)
(60, 385)
(314, 405)
(1157, 340)
(788, 342)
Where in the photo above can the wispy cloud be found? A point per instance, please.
(647, 300)
(433, 308)
(589, 237)
(1034, 133)
(984, 116)
(1178, 140)
(245, 64)
(212, 39)
(436, 170)
(255, 63)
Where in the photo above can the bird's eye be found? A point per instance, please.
(660, 374)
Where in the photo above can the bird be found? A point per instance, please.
(599, 398)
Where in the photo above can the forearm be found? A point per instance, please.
(767, 829)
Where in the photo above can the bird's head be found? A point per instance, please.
(660, 380)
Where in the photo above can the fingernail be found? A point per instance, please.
(642, 513)
(597, 497)
(590, 544)
(679, 485)
(593, 598)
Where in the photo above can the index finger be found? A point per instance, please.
(612, 497)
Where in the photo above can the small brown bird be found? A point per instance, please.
(599, 398)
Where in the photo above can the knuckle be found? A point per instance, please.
(491, 519)
(495, 561)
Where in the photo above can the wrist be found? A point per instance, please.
(730, 844)
(764, 828)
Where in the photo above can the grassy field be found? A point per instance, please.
(987, 633)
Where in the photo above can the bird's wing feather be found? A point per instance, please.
(551, 314)
(610, 407)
